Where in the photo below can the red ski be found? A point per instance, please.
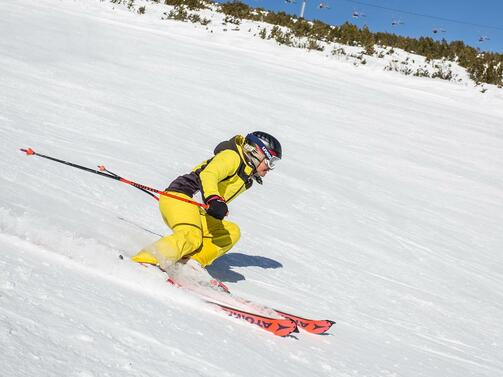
(282, 327)
(314, 326)
(278, 326)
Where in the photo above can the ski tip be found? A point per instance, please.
(319, 327)
(313, 326)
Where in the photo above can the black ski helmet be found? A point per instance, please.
(267, 143)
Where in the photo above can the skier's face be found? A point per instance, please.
(264, 165)
(262, 168)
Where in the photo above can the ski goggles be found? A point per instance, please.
(270, 159)
(271, 163)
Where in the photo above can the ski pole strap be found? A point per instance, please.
(106, 173)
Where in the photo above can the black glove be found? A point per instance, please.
(217, 207)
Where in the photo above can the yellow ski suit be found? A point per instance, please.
(196, 234)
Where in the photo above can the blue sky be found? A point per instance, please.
(465, 20)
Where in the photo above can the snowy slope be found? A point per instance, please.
(385, 214)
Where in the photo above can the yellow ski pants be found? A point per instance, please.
(195, 235)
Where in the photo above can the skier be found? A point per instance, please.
(200, 237)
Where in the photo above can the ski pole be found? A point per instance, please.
(106, 173)
(104, 169)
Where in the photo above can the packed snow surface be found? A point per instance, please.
(385, 215)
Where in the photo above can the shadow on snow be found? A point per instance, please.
(221, 269)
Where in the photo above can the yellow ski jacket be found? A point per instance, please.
(226, 174)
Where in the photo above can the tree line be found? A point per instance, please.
(483, 67)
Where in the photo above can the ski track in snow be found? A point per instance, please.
(384, 216)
